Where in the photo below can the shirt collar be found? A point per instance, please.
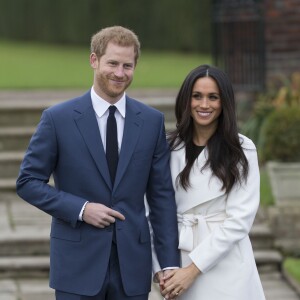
(101, 106)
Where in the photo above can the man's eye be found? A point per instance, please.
(128, 67)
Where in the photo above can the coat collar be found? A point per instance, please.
(204, 186)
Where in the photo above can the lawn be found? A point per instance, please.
(292, 266)
(266, 196)
(27, 65)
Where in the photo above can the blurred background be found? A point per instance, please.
(44, 59)
(39, 39)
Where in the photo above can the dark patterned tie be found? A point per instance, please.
(112, 155)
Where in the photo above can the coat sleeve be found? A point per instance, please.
(241, 207)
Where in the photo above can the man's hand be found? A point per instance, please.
(99, 215)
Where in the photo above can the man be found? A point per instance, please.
(100, 240)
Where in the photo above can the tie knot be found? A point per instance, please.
(112, 110)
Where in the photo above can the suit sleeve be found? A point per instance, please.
(162, 206)
(155, 264)
(241, 207)
(37, 166)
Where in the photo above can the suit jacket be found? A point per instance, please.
(67, 144)
(214, 228)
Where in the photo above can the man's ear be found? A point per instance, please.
(93, 60)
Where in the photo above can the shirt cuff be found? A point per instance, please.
(170, 268)
(82, 210)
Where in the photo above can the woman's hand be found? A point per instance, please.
(179, 280)
(159, 278)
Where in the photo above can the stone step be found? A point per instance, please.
(268, 260)
(24, 267)
(10, 164)
(7, 186)
(261, 237)
(165, 105)
(26, 289)
(169, 126)
(15, 138)
(54, 96)
(25, 243)
(276, 287)
(16, 113)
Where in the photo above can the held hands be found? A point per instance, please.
(176, 282)
(99, 215)
(160, 279)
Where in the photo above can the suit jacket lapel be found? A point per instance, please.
(84, 116)
(132, 130)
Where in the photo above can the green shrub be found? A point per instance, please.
(279, 139)
(286, 93)
(251, 128)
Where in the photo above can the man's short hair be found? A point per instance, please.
(118, 35)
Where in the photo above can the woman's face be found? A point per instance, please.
(206, 104)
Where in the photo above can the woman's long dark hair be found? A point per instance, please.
(225, 154)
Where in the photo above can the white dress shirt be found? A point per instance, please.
(101, 111)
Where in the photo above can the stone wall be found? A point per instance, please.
(284, 216)
(282, 38)
(285, 224)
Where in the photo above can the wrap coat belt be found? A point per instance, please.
(200, 223)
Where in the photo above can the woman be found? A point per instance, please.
(216, 180)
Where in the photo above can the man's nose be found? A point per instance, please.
(119, 72)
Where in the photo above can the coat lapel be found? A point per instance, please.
(132, 130)
(203, 185)
(84, 116)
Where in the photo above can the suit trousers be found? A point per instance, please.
(112, 288)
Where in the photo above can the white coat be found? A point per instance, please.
(214, 228)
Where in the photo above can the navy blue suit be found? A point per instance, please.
(67, 144)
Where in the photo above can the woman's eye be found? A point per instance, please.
(196, 96)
